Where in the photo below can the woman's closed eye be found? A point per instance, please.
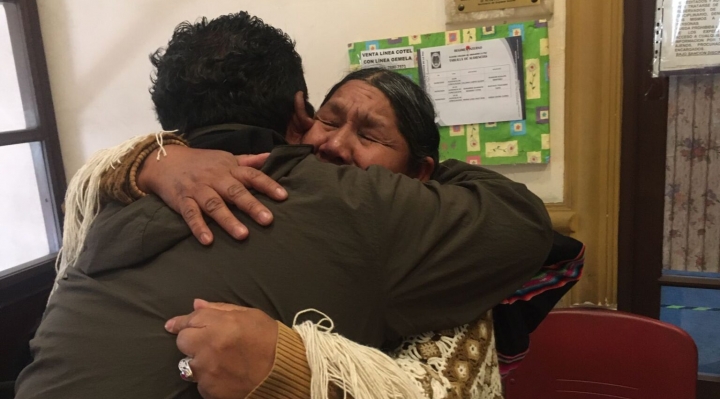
(364, 136)
(328, 122)
(369, 138)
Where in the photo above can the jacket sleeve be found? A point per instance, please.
(290, 375)
(453, 248)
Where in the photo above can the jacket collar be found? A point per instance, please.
(235, 138)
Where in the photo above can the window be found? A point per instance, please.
(32, 177)
(668, 264)
(23, 236)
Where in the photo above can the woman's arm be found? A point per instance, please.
(232, 351)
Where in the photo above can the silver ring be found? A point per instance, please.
(185, 370)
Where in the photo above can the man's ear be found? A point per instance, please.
(426, 169)
(301, 121)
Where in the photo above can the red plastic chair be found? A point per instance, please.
(604, 354)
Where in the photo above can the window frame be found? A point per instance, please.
(28, 279)
(642, 182)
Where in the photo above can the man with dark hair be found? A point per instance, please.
(233, 68)
(380, 253)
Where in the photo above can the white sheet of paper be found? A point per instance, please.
(391, 58)
(691, 34)
(476, 82)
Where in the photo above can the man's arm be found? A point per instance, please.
(444, 253)
(454, 250)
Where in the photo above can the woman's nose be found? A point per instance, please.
(338, 148)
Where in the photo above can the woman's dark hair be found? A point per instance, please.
(414, 112)
(232, 69)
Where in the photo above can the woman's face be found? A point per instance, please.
(357, 126)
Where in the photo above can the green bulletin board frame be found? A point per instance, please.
(501, 143)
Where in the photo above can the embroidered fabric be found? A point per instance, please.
(457, 363)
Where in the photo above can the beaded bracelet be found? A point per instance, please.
(134, 189)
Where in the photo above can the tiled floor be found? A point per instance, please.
(696, 311)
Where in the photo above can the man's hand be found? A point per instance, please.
(232, 347)
(192, 181)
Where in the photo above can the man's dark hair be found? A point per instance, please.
(232, 69)
(413, 109)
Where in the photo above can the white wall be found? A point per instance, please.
(97, 53)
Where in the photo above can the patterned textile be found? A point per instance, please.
(456, 363)
(468, 361)
(550, 277)
(518, 316)
(692, 202)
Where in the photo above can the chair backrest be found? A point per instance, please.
(599, 354)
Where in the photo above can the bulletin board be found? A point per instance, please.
(501, 143)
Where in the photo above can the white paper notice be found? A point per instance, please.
(477, 82)
(691, 34)
(391, 58)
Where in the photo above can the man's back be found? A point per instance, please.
(142, 266)
(328, 249)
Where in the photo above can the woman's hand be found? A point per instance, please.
(194, 181)
(232, 347)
